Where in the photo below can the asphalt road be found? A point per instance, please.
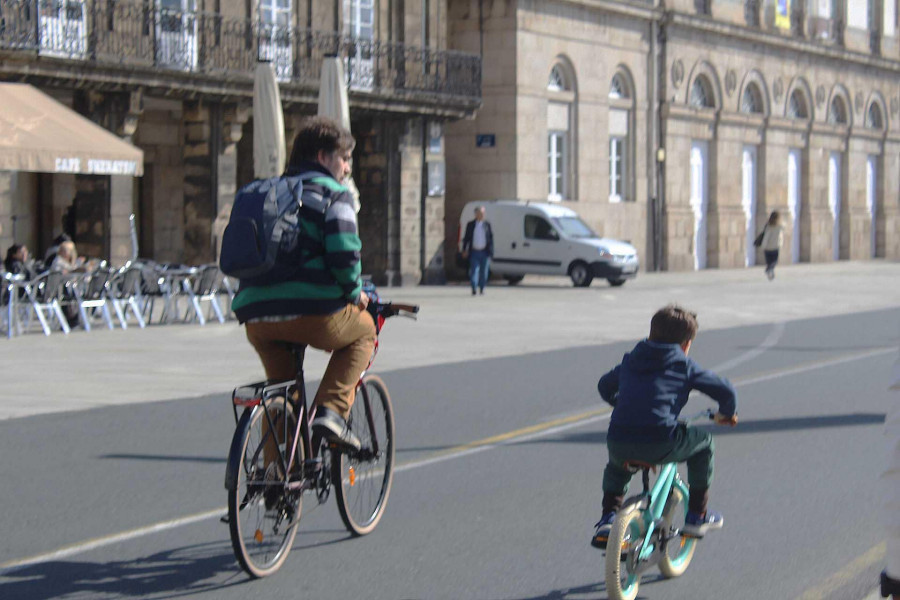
(89, 497)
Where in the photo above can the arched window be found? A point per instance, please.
(557, 81)
(837, 111)
(621, 104)
(873, 117)
(796, 108)
(751, 100)
(560, 132)
(702, 93)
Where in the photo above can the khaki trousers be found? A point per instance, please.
(349, 334)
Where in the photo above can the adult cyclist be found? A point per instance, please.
(321, 303)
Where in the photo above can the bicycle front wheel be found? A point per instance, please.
(621, 554)
(362, 480)
(262, 513)
(679, 549)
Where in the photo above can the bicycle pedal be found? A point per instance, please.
(225, 520)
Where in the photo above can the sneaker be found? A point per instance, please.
(333, 428)
(604, 526)
(696, 525)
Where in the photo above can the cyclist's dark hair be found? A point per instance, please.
(317, 134)
(673, 325)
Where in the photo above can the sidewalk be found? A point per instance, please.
(99, 368)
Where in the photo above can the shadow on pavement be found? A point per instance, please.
(165, 458)
(743, 427)
(169, 574)
(590, 591)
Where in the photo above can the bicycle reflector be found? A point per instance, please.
(247, 396)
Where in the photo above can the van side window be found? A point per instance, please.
(537, 228)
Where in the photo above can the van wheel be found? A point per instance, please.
(513, 279)
(580, 273)
(616, 282)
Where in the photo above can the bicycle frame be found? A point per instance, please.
(656, 503)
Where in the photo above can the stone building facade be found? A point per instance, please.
(176, 77)
(679, 125)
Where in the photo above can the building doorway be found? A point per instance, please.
(794, 205)
(834, 202)
(699, 201)
(748, 203)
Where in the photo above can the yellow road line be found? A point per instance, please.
(846, 575)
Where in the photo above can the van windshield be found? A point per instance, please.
(574, 227)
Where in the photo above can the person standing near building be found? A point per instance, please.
(478, 247)
(773, 237)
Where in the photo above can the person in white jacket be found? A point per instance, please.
(890, 480)
(773, 237)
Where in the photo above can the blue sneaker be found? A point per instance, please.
(696, 525)
(604, 526)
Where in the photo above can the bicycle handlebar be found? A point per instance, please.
(703, 414)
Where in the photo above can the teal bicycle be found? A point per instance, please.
(647, 531)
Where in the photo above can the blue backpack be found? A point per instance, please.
(264, 223)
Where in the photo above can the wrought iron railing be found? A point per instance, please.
(798, 20)
(751, 12)
(875, 42)
(126, 33)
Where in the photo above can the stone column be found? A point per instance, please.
(727, 219)
(888, 216)
(199, 209)
(121, 207)
(823, 140)
(782, 136)
(683, 125)
(856, 221)
(233, 118)
(410, 216)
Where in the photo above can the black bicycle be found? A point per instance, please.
(275, 460)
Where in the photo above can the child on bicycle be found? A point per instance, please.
(647, 391)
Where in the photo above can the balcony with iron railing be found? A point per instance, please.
(751, 13)
(135, 40)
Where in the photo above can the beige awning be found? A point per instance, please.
(39, 134)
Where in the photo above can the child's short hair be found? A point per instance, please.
(673, 325)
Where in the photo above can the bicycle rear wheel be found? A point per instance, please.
(624, 542)
(362, 480)
(262, 514)
(679, 550)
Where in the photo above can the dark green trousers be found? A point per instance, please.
(689, 445)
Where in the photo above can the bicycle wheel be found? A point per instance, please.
(362, 480)
(626, 536)
(679, 550)
(262, 515)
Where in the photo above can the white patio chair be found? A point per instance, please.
(125, 294)
(44, 295)
(91, 293)
(204, 288)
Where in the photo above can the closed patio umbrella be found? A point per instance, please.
(268, 123)
(333, 104)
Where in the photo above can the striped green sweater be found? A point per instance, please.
(326, 266)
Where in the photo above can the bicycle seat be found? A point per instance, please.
(635, 465)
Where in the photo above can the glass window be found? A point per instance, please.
(751, 101)
(618, 88)
(574, 227)
(556, 156)
(797, 106)
(557, 81)
(537, 228)
(701, 94)
(616, 169)
(837, 113)
(873, 117)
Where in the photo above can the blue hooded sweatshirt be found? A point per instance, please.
(651, 386)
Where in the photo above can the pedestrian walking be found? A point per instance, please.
(772, 238)
(478, 247)
(890, 577)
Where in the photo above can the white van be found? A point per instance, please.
(548, 239)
